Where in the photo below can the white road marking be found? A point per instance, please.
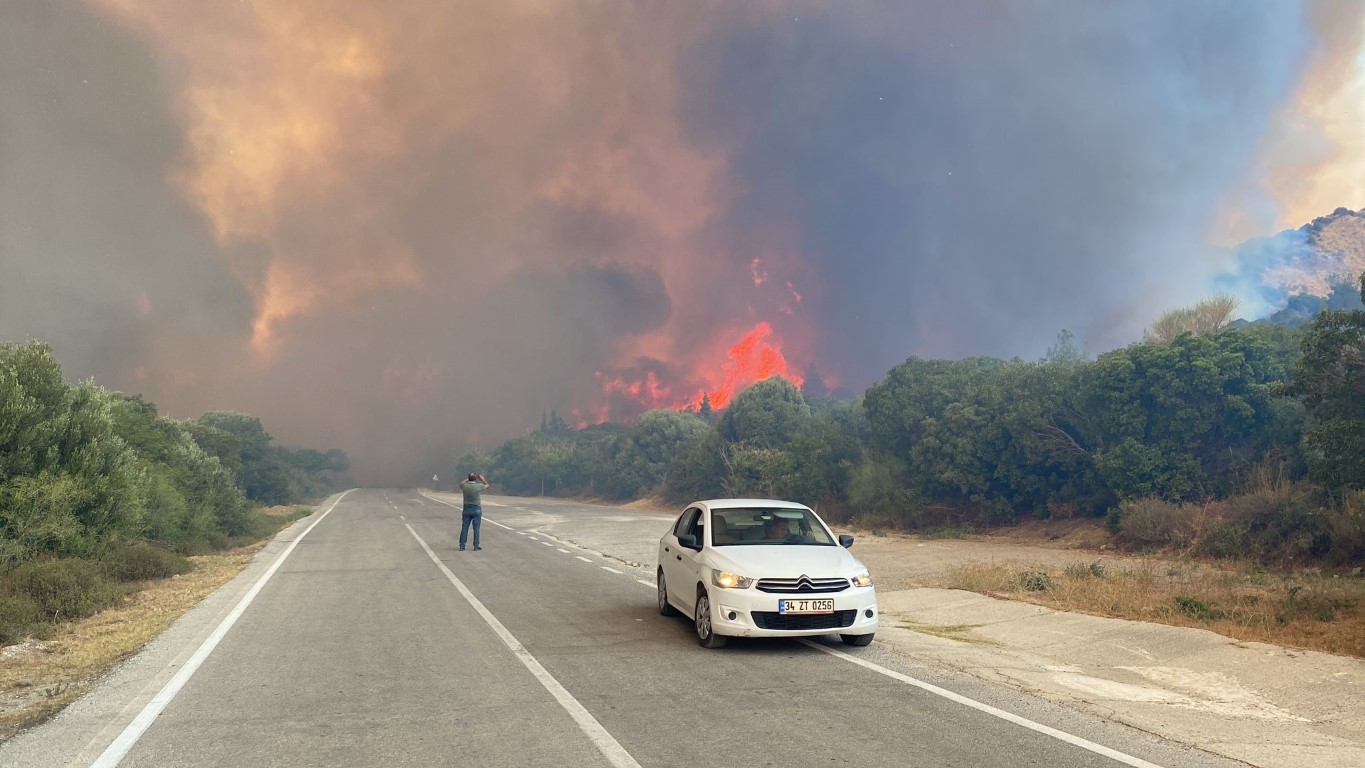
(400, 517)
(584, 559)
(523, 533)
(1077, 741)
(125, 741)
(605, 743)
(613, 570)
(534, 539)
(649, 584)
(565, 551)
(486, 520)
(546, 543)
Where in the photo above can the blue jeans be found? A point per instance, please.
(472, 515)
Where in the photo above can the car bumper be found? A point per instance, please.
(751, 613)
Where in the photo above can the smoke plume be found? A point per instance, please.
(403, 228)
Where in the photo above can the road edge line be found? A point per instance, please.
(1075, 741)
(129, 736)
(603, 740)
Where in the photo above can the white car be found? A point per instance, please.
(763, 568)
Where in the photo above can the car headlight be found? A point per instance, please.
(863, 579)
(727, 580)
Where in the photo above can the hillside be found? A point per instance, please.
(1299, 272)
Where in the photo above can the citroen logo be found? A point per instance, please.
(804, 583)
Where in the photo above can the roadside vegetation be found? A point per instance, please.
(1233, 453)
(1209, 438)
(99, 494)
(1306, 608)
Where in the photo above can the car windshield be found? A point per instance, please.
(740, 527)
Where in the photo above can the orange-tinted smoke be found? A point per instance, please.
(1313, 160)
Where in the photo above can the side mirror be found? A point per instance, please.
(689, 541)
(845, 541)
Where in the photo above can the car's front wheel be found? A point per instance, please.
(665, 608)
(857, 641)
(706, 634)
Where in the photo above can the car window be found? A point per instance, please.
(697, 527)
(751, 525)
(687, 521)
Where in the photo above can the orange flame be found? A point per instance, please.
(753, 358)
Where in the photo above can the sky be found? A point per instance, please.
(408, 228)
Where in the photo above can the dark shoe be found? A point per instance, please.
(462, 548)
(476, 549)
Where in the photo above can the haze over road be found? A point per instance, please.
(364, 650)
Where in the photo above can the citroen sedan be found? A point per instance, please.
(763, 568)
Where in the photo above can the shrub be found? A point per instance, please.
(17, 613)
(1033, 581)
(140, 560)
(63, 589)
(1081, 571)
(1152, 522)
(1197, 609)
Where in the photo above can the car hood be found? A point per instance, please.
(786, 561)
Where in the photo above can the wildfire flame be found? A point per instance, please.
(755, 357)
(752, 359)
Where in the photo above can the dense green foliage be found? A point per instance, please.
(1331, 379)
(96, 488)
(1177, 422)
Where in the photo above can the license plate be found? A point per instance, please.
(805, 606)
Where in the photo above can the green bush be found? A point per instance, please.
(1033, 581)
(17, 613)
(63, 589)
(140, 560)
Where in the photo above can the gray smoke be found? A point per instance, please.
(528, 201)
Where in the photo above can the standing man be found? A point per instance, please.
(473, 488)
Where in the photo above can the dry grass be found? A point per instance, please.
(38, 678)
(1304, 609)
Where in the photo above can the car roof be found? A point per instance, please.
(746, 503)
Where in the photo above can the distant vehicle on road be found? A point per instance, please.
(763, 568)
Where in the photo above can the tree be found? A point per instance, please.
(644, 456)
(1330, 377)
(704, 411)
(766, 415)
(1065, 350)
(1208, 316)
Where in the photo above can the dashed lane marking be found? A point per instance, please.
(613, 570)
(584, 559)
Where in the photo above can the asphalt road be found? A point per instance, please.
(364, 650)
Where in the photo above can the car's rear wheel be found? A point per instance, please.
(706, 634)
(665, 608)
(857, 641)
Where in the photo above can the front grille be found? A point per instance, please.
(802, 585)
(775, 620)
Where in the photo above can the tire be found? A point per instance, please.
(857, 641)
(701, 621)
(665, 608)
